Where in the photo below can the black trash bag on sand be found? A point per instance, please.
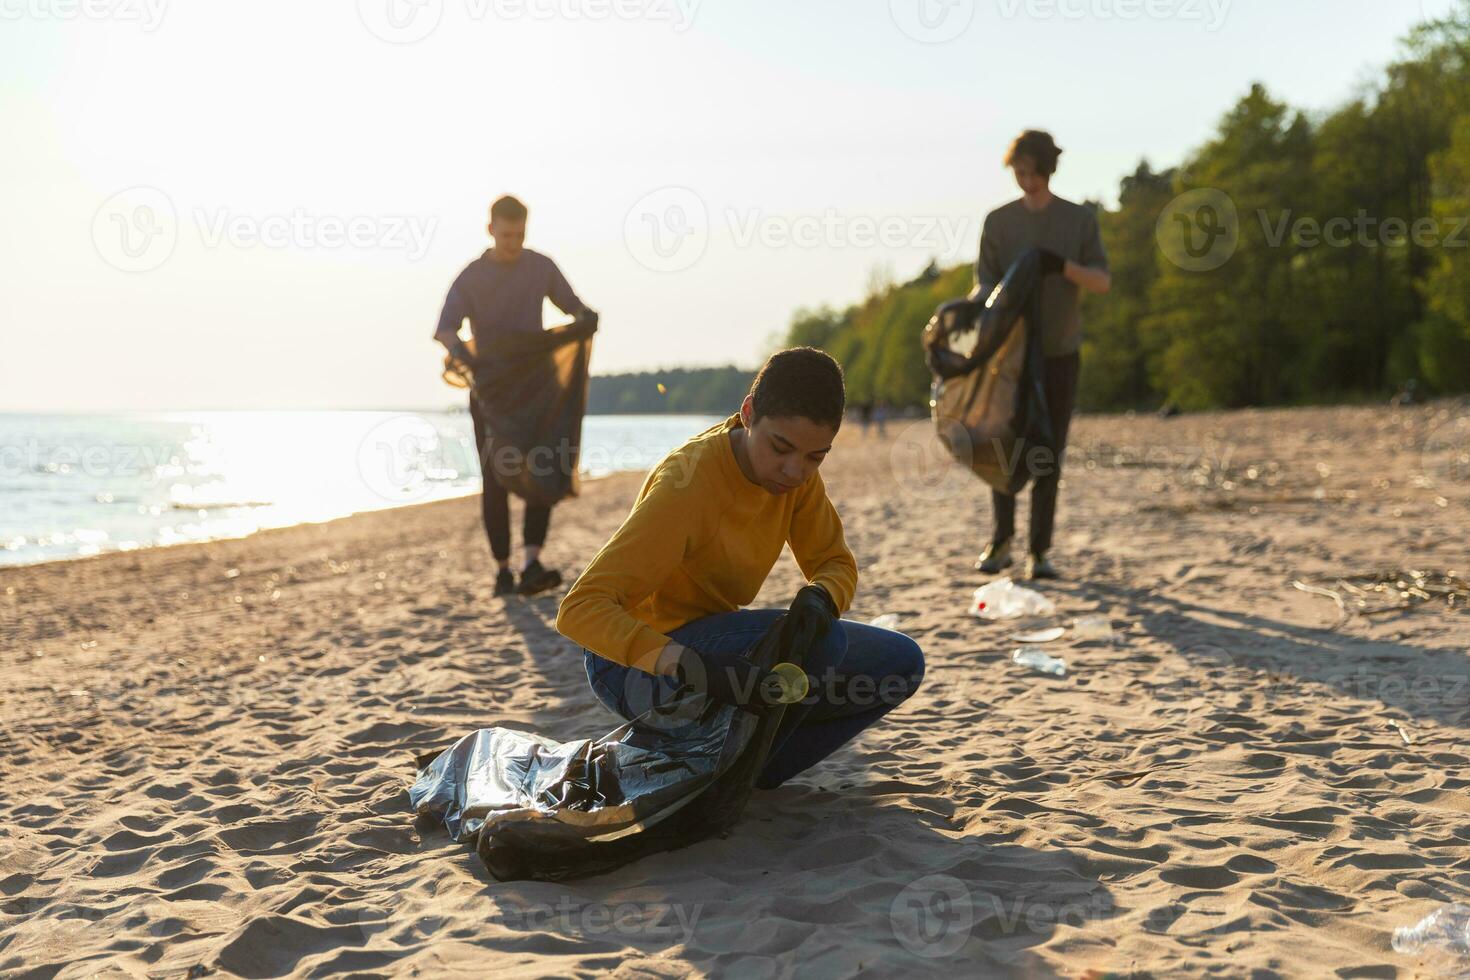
(532, 391)
(548, 811)
(988, 399)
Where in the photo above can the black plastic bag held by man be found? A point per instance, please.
(988, 399)
(532, 389)
(550, 811)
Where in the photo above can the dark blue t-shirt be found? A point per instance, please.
(505, 297)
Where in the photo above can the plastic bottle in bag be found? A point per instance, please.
(1446, 929)
(887, 621)
(1004, 599)
(1037, 659)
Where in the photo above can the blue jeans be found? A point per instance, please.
(858, 672)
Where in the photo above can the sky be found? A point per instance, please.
(261, 205)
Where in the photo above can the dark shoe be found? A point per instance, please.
(537, 578)
(994, 558)
(1037, 566)
(505, 582)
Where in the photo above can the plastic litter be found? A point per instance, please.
(1040, 636)
(1092, 627)
(887, 621)
(1446, 929)
(792, 682)
(1376, 593)
(1038, 660)
(545, 810)
(1004, 599)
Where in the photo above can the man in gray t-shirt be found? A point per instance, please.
(1073, 259)
(501, 293)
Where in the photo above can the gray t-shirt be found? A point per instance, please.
(1066, 228)
(505, 297)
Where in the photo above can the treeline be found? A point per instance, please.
(1345, 242)
(692, 391)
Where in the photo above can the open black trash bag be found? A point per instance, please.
(546, 810)
(532, 390)
(988, 400)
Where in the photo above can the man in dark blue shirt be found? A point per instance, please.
(501, 292)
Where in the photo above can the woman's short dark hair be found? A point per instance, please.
(1039, 147)
(799, 382)
(508, 208)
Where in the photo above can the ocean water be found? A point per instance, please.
(76, 485)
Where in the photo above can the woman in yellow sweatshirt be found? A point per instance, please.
(659, 608)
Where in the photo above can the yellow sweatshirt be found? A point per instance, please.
(701, 539)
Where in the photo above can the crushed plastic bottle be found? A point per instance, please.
(1445, 930)
(1034, 658)
(1004, 599)
(887, 621)
(1094, 626)
(791, 682)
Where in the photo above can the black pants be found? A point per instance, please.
(1060, 382)
(495, 502)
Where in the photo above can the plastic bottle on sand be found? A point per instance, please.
(1446, 929)
(1036, 659)
(1092, 627)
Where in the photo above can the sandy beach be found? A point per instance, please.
(206, 748)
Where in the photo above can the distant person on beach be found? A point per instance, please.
(659, 608)
(500, 293)
(1072, 259)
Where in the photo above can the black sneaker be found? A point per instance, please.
(505, 582)
(1037, 567)
(537, 578)
(995, 557)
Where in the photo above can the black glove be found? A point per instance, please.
(741, 684)
(1052, 263)
(586, 316)
(809, 619)
(461, 353)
